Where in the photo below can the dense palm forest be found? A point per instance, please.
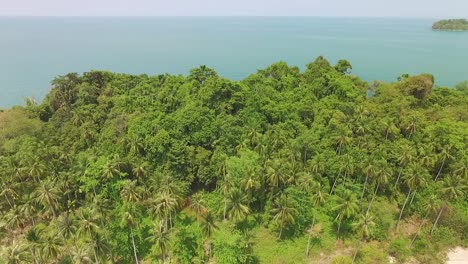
(285, 166)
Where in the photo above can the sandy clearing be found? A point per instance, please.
(457, 255)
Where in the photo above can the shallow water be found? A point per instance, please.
(35, 50)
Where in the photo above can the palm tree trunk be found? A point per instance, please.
(398, 178)
(339, 226)
(364, 188)
(440, 169)
(6, 196)
(386, 133)
(412, 197)
(95, 256)
(224, 209)
(334, 183)
(34, 256)
(308, 245)
(357, 250)
(402, 209)
(417, 233)
(437, 219)
(134, 246)
(281, 232)
(373, 197)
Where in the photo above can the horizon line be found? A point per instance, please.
(218, 16)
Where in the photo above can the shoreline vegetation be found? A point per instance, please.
(285, 166)
(451, 25)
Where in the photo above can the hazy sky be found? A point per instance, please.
(415, 8)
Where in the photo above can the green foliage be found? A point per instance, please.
(136, 168)
(451, 24)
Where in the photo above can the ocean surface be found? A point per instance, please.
(35, 50)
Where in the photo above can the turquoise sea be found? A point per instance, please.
(35, 50)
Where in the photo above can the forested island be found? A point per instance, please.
(451, 25)
(285, 166)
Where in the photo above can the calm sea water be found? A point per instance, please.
(35, 50)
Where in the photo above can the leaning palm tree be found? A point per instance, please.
(160, 238)
(363, 227)
(347, 206)
(16, 253)
(129, 221)
(382, 177)
(315, 231)
(407, 155)
(164, 207)
(48, 195)
(8, 191)
(50, 247)
(415, 177)
(197, 204)
(431, 207)
(370, 170)
(445, 155)
(237, 205)
(284, 213)
(453, 188)
(130, 192)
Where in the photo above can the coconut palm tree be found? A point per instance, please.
(284, 213)
(48, 195)
(382, 178)
(16, 253)
(453, 188)
(315, 231)
(160, 238)
(197, 204)
(7, 190)
(130, 192)
(407, 155)
(431, 207)
(363, 227)
(370, 170)
(129, 221)
(446, 156)
(347, 206)
(415, 177)
(80, 255)
(237, 205)
(164, 207)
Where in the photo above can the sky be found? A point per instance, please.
(362, 8)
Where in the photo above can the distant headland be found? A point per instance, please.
(451, 25)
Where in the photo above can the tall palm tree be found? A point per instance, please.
(160, 238)
(87, 222)
(130, 192)
(50, 247)
(164, 207)
(370, 170)
(48, 194)
(445, 155)
(364, 227)
(80, 255)
(315, 231)
(453, 188)
(16, 253)
(237, 205)
(406, 157)
(382, 178)
(284, 213)
(7, 190)
(347, 206)
(431, 207)
(197, 204)
(415, 177)
(129, 221)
